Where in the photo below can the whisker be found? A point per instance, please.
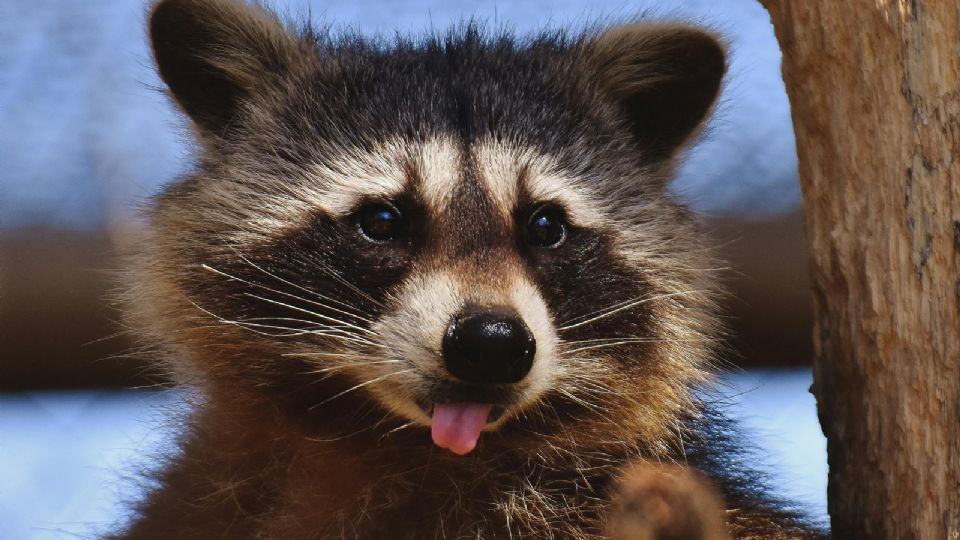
(247, 326)
(289, 295)
(396, 429)
(348, 435)
(596, 386)
(308, 312)
(576, 399)
(284, 293)
(287, 331)
(313, 324)
(627, 342)
(307, 290)
(322, 354)
(623, 306)
(316, 328)
(330, 272)
(596, 340)
(320, 331)
(342, 367)
(359, 386)
(598, 311)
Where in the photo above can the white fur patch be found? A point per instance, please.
(547, 183)
(353, 177)
(427, 304)
(437, 165)
(529, 303)
(414, 335)
(501, 168)
(333, 187)
(338, 186)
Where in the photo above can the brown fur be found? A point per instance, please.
(307, 433)
(665, 502)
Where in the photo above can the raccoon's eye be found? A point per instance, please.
(379, 222)
(547, 227)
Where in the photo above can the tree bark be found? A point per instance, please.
(875, 92)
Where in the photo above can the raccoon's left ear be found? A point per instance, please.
(215, 54)
(663, 77)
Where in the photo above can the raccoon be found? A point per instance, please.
(435, 287)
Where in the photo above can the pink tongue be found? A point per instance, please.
(456, 426)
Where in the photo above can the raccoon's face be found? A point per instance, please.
(464, 233)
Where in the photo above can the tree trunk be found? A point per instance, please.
(875, 91)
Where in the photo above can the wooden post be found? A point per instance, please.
(875, 91)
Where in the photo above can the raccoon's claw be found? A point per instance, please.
(665, 502)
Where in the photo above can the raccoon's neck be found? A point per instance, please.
(245, 453)
(255, 469)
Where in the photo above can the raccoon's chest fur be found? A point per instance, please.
(471, 500)
(263, 478)
(345, 490)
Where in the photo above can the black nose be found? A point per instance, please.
(488, 348)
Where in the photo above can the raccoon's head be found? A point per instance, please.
(467, 232)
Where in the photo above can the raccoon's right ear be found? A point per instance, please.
(213, 54)
(664, 77)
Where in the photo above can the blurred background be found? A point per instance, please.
(86, 136)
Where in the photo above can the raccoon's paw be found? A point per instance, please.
(665, 502)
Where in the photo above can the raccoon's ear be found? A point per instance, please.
(213, 54)
(664, 77)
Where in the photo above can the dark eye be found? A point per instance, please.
(380, 222)
(547, 227)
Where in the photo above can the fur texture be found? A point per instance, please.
(316, 353)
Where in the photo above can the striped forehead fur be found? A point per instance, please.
(511, 170)
(384, 173)
(336, 186)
